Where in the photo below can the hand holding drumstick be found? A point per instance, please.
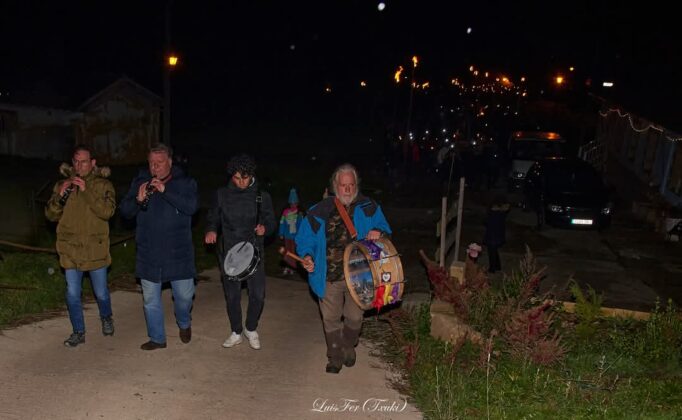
(306, 262)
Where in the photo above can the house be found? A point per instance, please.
(37, 132)
(120, 123)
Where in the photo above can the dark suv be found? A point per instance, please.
(567, 192)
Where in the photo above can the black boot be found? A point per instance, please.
(334, 351)
(350, 340)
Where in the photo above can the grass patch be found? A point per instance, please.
(532, 359)
(600, 381)
(29, 284)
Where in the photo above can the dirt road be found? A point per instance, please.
(111, 378)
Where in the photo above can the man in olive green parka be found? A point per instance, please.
(82, 205)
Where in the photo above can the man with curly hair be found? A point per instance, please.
(242, 213)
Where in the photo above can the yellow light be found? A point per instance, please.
(415, 61)
(523, 79)
(363, 84)
(475, 72)
(571, 68)
(559, 80)
(486, 74)
(328, 89)
(172, 60)
(397, 74)
(505, 80)
(425, 85)
(471, 68)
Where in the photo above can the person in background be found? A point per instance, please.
(82, 204)
(495, 231)
(289, 224)
(162, 199)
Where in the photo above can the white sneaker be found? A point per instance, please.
(232, 340)
(252, 336)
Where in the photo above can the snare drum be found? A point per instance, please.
(241, 261)
(374, 273)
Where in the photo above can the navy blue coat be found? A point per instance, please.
(164, 230)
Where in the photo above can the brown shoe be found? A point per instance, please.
(151, 345)
(186, 334)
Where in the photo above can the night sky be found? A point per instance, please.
(268, 58)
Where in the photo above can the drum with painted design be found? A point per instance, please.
(374, 273)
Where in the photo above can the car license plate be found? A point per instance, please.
(581, 221)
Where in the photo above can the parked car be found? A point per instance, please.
(567, 192)
(525, 147)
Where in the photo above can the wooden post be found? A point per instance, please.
(460, 206)
(443, 229)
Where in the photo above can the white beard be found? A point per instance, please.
(347, 201)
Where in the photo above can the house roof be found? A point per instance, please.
(122, 84)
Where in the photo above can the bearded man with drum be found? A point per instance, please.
(244, 216)
(321, 241)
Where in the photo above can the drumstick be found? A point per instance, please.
(286, 253)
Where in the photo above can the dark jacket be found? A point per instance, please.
(233, 215)
(83, 229)
(164, 230)
(312, 240)
(495, 231)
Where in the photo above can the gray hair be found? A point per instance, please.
(346, 167)
(162, 148)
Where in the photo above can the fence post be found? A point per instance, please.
(460, 205)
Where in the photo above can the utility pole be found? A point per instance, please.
(167, 66)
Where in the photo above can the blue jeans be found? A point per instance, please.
(183, 291)
(74, 285)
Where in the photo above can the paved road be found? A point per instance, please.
(111, 378)
(629, 264)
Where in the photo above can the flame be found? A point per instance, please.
(415, 61)
(397, 74)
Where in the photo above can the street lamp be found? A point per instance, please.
(170, 61)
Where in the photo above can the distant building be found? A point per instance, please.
(36, 132)
(119, 123)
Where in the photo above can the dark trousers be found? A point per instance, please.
(233, 299)
(494, 263)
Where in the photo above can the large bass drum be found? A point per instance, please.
(374, 273)
(241, 261)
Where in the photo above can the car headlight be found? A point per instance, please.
(555, 209)
(606, 211)
(519, 175)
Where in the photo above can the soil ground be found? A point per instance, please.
(111, 378)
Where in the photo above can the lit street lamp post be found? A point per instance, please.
(170, 61)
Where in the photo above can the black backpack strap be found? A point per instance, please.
(259, 201)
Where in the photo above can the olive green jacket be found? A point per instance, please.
(83, 228)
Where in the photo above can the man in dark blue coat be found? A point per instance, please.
(163, 200)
